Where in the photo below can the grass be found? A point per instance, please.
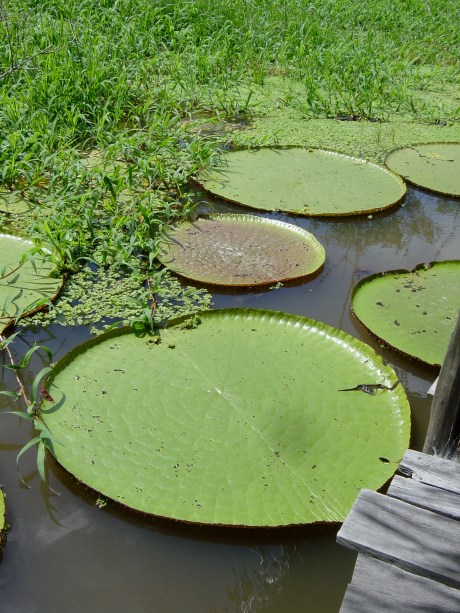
(131, 81)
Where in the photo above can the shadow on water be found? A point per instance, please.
(65, 554)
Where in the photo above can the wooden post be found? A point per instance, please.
(443, 434)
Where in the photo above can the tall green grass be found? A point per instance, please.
(126, 76)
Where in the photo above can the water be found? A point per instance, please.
(65, 554)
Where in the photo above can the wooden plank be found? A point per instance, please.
(443, 434)
(431, 470)
(432, 389)
(358, 599)
(426, 496)
(372, 575)
(416, 540)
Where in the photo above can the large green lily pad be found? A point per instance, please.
(2, 516)
(238, 418)
(13, 202)
(304, 181)
(23, 285)
(434, 166)
(414, 312)
(241, 250)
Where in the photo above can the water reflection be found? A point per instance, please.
(256, 586)
(65, 554)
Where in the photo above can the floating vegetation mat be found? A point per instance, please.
(238, 417)
(13, 202)
(25, 284)
(414, 312)
(241, 250)
(304, 181)
(434, 166)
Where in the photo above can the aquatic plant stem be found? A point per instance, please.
(22, 389)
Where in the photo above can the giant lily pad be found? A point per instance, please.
(304, 181)
(13, 202)
(238, 418)
(435, 166)
(414, 312)
(24, 284)
(2, 517)
(241, 250)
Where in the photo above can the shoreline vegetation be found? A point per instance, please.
(109, 109)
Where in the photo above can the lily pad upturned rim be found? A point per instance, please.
(411, 181)
(398, 271)
(309, 239)
(200, 183)
(397, 407)
(6, 323)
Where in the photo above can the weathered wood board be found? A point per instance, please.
(381, 587)
(432, 389)
(426, 496)
(443, 434)
(358, 600)
(431, 470)
(414, 539)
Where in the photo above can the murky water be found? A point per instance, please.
(65, 554)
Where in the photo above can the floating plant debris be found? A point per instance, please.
(241, 250)
(25, 284)
(434, 166)
(414, 312)
(232, 418)
(310, 182)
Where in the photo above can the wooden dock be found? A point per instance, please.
(408, 541)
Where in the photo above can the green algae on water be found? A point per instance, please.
(100, 297)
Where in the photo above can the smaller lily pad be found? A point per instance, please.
(96, 160)
(241, 250)
(312, 182)
(434, 166)
(13, 202)
(414, 312)
(25, 284)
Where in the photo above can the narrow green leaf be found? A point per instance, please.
(41, 459)
(34, 396)
(14, 395)
(8, 341)
(25, 448)
(44, 432)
